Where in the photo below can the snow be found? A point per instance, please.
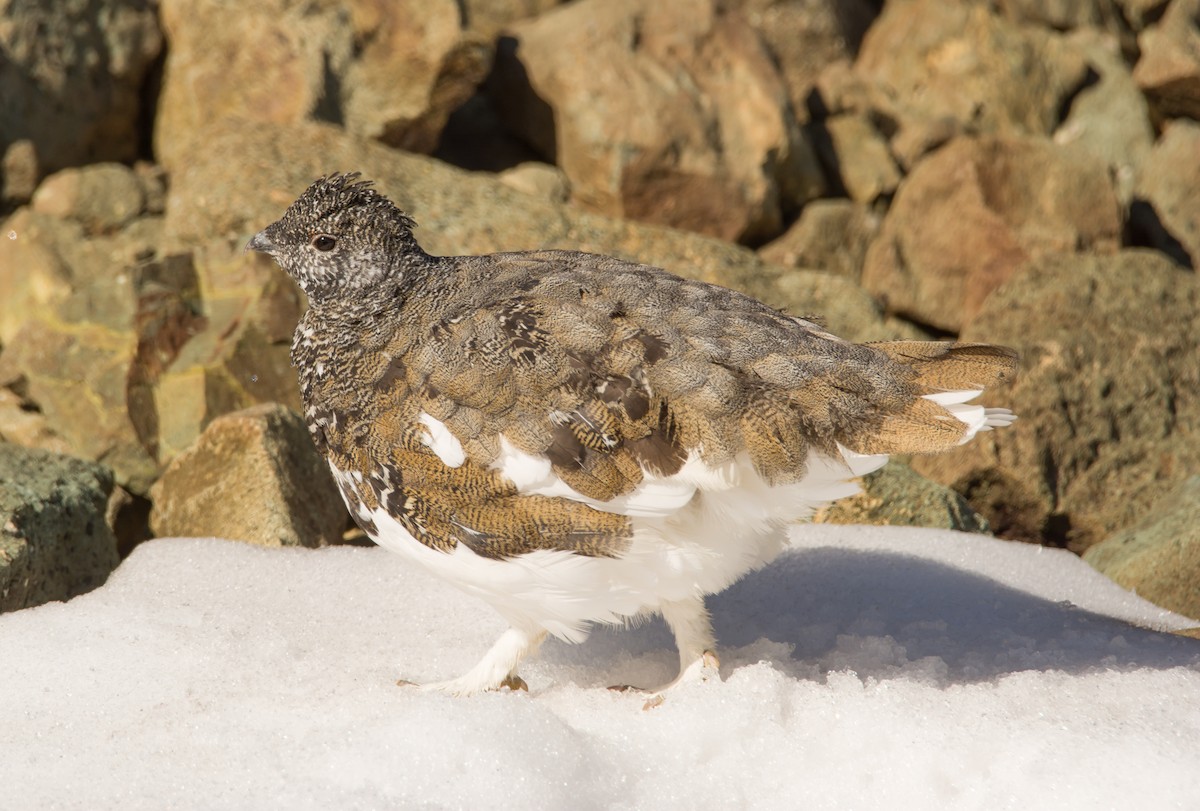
(868, 668)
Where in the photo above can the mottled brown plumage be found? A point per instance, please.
(613, 371)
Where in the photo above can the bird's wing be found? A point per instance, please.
(565, 381)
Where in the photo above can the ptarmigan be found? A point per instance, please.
(577, 439)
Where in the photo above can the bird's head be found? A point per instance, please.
(338, 237)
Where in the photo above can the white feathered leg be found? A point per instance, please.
(689, 621)
(498, 667)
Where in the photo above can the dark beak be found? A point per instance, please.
(262, 243)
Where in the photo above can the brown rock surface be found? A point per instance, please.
(254, 476)
(831, 235)
(722, 154)
(1168, 184)
(1169, 68)
(102, 197)
(965, 64)
(73, 78)
(1108, 398)
(1159, 557)
(391, 71)
(1109, 118)
(970, 216)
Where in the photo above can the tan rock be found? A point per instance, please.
(254, 476)
(831, 235)
(971, 215)
(1168, 70)
(1109, 118)
(1168, 185)
(858, 156)
(488, 18)
(19, 173)
(1107, 398)
(964, 63)
(73, 78)
(1159, 557)
(805, 36)
(102, 197)
(722, 154)
(391, 71)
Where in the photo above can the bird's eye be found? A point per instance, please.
(323, 242)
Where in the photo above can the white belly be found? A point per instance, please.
(732, 524)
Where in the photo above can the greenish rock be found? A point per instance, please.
(896, 495)
(1159, 557)
(1108, 398)
(55, 538)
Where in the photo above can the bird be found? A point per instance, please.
(580, 440)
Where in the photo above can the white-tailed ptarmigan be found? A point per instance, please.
(577, 439)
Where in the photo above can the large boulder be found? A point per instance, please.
(55, 537)
(1159, 557)
(1108, 398)
(253, 476)
(973, 213)
(722, 153)
(957, 68)
(1110, 117)
(1167, 213)
(72, 82)
(1168, 70)
(390, 71)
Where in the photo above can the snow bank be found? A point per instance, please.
(869, 668)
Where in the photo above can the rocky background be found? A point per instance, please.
(1011, 171)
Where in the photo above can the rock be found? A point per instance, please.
(1167, 213)
(488, 18)
(1109, 118)
(1066, 15)
(118, 355)
(855, 153)
(831, 235)
(390, 71)
(461, 212)
(102, 197)
(897, 496)
(19, 173)
(964, 65)
(29, 241)
(722, 154)
(21, 423)
(1108, 398)
(1159, 557)
(972, 214)
(55, 541)
(539, 179)
(1168, 70)
(73, 78)
(254, 476)
(805, 36)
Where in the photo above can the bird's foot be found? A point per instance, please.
(705, 669)
(464, 686)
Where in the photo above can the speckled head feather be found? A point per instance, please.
(339, 236)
